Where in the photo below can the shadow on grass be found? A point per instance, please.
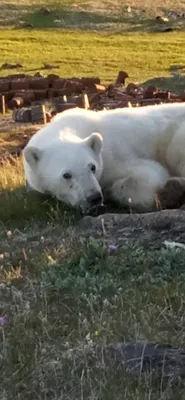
(68, 17)
(19, 205)
(74, 19)
(175, 84)
(59, 16)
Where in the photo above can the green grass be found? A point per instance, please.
(93, 54)
(78, 294)
(59, 292)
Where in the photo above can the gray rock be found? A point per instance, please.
(150, 229)
(135, 358)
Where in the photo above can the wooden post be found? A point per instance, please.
(86, 101)
(44, 114)
(3, 105)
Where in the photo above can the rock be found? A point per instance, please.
(134, 358)
(44, 11)
(149, 229)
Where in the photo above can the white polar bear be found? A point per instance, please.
(127, 153)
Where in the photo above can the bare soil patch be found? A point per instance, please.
(14, 137)
(150, 229)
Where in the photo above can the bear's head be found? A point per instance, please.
(69, 171)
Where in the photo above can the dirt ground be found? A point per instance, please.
(149, 229)
(14, 137)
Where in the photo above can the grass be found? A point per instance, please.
(59, 292)
(88, 53)
(79, 294)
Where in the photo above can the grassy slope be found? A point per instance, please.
(62, 294)
(143, 55)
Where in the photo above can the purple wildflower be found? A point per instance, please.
(112, 248)
(2, 321)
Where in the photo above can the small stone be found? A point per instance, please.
(45, 11)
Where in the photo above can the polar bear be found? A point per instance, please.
(125, 155)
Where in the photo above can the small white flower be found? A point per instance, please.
(106, 303)
(42, 239)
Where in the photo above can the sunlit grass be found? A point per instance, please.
(12, 175)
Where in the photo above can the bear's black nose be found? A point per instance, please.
(95, 199)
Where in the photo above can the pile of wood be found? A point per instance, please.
(20, 91)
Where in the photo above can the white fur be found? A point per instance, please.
(142, 148)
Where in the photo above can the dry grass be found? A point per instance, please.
(97, 5)
(12, 176)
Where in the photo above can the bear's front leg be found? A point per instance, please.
(140, 186)
(132, 193)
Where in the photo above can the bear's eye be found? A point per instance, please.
(67, 175)
(93, 168)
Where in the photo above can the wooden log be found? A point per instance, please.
(3, 105)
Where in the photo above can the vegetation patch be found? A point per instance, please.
(81, 293)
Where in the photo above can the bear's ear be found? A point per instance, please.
(94, 141)
(32, 155)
